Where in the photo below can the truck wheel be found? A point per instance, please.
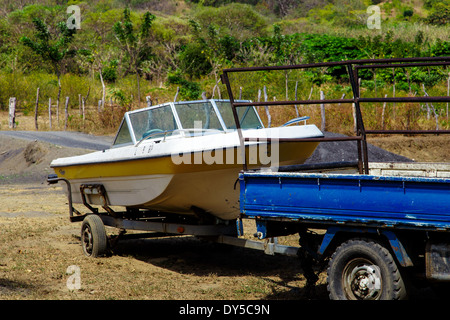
(93, 236)
(361, 269)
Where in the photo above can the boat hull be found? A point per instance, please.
(178, 184)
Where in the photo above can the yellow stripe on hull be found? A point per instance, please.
(289, 153)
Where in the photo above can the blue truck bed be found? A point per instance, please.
(368, 200)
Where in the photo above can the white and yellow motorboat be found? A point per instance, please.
(184, 156)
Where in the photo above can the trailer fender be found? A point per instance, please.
(397, 247)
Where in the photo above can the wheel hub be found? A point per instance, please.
(87, 240)
(363, 281)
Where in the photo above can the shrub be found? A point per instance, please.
(189, 90)
(193, 61)
(440, 15)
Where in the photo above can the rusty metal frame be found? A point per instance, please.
(53, 179)
(353, 66)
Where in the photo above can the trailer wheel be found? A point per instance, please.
(93, 236)
(361, 269)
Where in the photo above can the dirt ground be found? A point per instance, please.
(422, 148)
(39, 245)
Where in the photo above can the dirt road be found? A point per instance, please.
(63, 138)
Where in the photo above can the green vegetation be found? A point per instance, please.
(126, 50)
(53, 51)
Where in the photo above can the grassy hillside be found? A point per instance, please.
(186, 44)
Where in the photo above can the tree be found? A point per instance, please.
(135, 43)
(53, 48)
(98, 59)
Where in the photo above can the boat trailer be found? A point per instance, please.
(96, 242)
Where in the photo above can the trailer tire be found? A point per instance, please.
(362, 269)
(93, 236)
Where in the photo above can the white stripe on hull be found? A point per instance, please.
(212, 191)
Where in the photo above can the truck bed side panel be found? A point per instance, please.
(391, 201)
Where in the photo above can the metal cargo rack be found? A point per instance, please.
(353, 67)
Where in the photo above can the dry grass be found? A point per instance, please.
(94, 122)
(39, 244)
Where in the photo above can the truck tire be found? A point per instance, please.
(93, 236)
(362, 269)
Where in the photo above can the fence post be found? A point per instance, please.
(50, 112)
(269, 118)
(83, 103)
(176, 94)
(393, 92)
(36, 111)
(383, 114)
(343, 96)
(432, 107)
(66, 110)
(322, 111)
(12, 112)
(79, 103)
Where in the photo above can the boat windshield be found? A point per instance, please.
(156, 122)
(160, 121)
(247, 116)
(198, 115)
(123, 136)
